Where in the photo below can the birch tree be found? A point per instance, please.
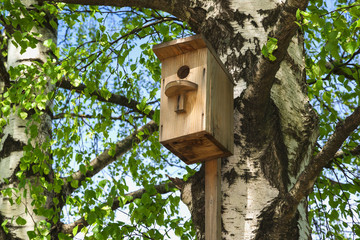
(80, 117)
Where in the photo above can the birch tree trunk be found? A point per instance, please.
(275, 127)
(16, 135)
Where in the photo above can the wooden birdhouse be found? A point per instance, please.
(196, 111)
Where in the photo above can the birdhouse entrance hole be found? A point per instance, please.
(183, 72)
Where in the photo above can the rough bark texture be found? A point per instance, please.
(274, 124)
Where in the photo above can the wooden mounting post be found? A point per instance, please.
(213, 199)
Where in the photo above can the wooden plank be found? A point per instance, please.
(212, 199)
(220, 108)
(198, 147)
(191, 120)
(185, 45)
(178, 87)
(178, 47)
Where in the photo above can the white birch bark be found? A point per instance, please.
(14, 138)
(251, 193)
(260, 172)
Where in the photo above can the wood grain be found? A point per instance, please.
(212, 200)
(178, 87)
(195, 125)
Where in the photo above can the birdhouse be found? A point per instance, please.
(196, 109)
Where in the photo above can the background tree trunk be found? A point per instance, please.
(15, 136)
(274, 137)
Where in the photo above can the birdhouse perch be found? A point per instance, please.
(196, 110)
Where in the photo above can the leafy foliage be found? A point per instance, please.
(332, 66)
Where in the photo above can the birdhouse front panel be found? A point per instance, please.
(183, 113)
(196, 112)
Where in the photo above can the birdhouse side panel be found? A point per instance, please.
(173, 123)
(220, 122)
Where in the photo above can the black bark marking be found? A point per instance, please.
(198, 15)
(257, 46)
(238, 42)
(247, 175)
(274, 163)
(311, 122)
(272, 227)
(293, 66)
(241, 17)
(237, 101)
(254, 23)
(272, 16)
(38, 60)
(219, 26)
(224, 161)
(231, 176)
(223, 229)
(11, 145)
(237, 139)
(250, 60)
(266, 135)
(246, 61)
(198, 199)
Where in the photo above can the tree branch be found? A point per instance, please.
(257, 94)
(64, 115)
(354, 152)
(175, 7)
(4, 75)
(338, 70)
(162, 188)
(114, 98)
(308, 177)
(105, 158)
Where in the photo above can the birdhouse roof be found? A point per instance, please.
(185, 45)
(179, 46)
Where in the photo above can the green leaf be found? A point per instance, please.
(18, 200)
(2, 122)
(31, 234)
(83, 168)
(132, 67)
(33, 131)
(20, 221)
(75, 230)
(74, 183)
(3, 225)
(351, 47)
(298, 16)
(268, 49)
(91, 218)
(103, 183)
(5, 110)
(47, 43)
